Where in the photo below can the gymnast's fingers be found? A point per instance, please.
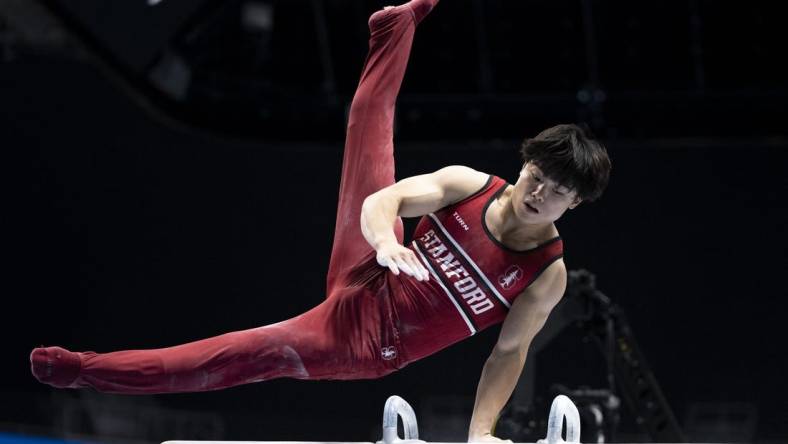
(421, 267)
(403, 265)
(415, 265)
(393, 267)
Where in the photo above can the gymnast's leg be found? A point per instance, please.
(330, 341)
(308, 346)
(368, 163)
(210, 364)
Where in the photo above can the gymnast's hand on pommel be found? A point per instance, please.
(487, 437)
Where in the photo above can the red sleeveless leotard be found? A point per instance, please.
(474, 278)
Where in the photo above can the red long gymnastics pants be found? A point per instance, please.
(342, 337)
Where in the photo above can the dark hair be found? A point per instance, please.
(570, 156)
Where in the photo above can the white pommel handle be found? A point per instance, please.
(562, 408)
(396, 407)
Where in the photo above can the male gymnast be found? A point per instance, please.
(484, 252)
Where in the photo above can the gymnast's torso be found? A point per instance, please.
(474, 279)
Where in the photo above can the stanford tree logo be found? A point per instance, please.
(512, 275)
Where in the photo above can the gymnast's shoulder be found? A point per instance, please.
(461, 179)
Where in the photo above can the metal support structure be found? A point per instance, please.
(628, 373)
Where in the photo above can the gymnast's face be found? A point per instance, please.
(537, 199)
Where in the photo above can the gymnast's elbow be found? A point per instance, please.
(378, 213)
(380, 203)
(505, 351)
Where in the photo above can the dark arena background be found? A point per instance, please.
(172, 171)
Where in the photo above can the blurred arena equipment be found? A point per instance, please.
(627, 370)
(627, 373)
(731, 421)
(267, 68)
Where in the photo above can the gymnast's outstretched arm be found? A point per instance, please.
(502, 369)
